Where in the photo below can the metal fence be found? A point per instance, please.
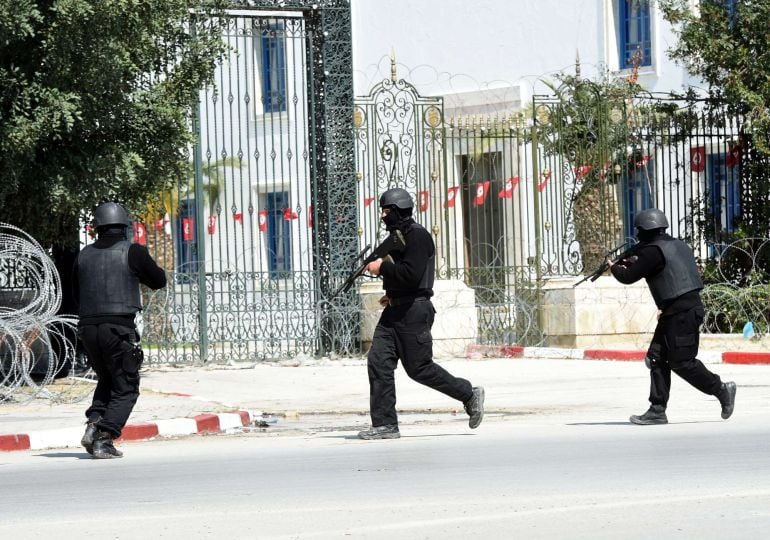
(247, 239)
(511, 199)
(517, 197)
(289, 167)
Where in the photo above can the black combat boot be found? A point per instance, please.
(380, 432)
(656, 414)
(88, 437)
(475, 407)
(726, 398)
(103, 447)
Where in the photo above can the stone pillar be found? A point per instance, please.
(604, 313)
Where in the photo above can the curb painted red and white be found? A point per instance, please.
(70, 437)
(513, 351)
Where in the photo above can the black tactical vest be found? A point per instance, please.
(107, 285)
(428, 275)
(679, 275)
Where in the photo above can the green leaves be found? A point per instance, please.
(731, 52)
(95, 98)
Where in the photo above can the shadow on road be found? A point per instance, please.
(78, 455)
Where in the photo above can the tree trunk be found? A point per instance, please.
(598, 226)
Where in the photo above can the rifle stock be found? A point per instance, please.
(394, 242)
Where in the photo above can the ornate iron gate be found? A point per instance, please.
(247, 242)
(464, 174)
(514, 199)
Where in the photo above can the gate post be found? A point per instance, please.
(330, 89)
(200, 242)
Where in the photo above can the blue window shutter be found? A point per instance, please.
(274, 70)
(724, 192)
(185, 240)
(278, 236)
(637, 189)
(635, 34)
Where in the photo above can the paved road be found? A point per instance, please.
(517, 476)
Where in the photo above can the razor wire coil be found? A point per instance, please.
(38, 348)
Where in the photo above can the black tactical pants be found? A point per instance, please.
(674, 348)
(114, 358)
(404, 332)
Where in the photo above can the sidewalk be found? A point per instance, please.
(273, 396)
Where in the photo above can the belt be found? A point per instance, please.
(404, 300)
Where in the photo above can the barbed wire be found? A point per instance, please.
(38, 348)
(737, 298)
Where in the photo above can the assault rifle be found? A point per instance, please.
(604, 266)
(394, 242)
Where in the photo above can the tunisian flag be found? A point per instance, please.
(263, 221)
(697, 159)
(423, 199)
(482, 189)
(510, 185)
(582, 171)
(545, 175)
(188, 228)
(211, 226)
(451, 197)
(140, 234)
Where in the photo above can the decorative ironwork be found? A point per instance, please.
(259, 237)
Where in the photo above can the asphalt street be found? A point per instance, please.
(516, 476)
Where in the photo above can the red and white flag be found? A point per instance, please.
(368, 201)
(238, 217)
(643, 162)
(581, 172)
(510, 185)
(310, 217)
(424, 199)
(451, 197)
(544, 177)
(188, 229)
(140, 233)
(263, 221)
(482, 189)
(289, 214)
(211, 226)
(697, 159)
(604, 172)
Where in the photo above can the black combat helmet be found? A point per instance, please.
(650, 219)
(110, 213)
(397, 197)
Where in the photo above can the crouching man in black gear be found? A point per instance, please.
(672, 275)
(403, 330)
(106, 279)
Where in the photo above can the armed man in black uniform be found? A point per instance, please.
(403, 330)
(672, 275)
(106, 277)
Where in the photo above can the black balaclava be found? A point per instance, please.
(112, 231)
(649, 235)
(397, 218)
